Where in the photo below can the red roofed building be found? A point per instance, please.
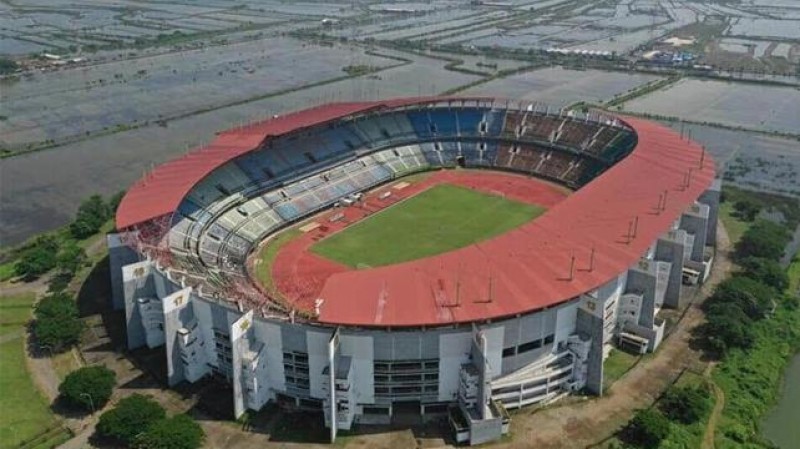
(518, 319)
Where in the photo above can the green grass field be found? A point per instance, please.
(616, 365)
(25, 414)
(263, 270)
(440, 219)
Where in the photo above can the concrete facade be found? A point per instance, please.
(364, 375)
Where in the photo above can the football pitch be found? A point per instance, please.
(442, 218)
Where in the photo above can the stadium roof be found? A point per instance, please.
(523, 270)
(528, 268)
(161, 191)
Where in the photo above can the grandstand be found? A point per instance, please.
(536, 308)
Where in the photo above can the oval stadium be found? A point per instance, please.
(436, 257)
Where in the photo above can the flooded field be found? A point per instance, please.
(37, 198)
(751, 160)
(780, 426)
(560, 87)
(59, 25)
(57, 105)
(752, 106)
(789, 29)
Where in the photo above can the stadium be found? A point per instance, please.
(438, 257)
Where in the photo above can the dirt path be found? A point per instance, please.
(719, 405)
(585, 423)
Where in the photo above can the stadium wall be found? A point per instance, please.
(530, 359)
(194, 221)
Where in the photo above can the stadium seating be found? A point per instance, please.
(242, 202)
(576, 134)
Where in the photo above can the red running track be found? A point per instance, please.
(300, 275)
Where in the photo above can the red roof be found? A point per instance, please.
(161, 191)
(528, 268)
(523, 270)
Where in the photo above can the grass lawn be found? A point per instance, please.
(440, 219)
(616, 365)
(263, 270)
(7, 271)
(735, 227)
(794, 276)
(24, 412)
(15, 312)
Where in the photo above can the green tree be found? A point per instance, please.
(767, 271)
(114, 200)
(70, 258)
(686, 405)
(88, 388)
(130, 417)
(647, 429)
(38, 259)
(754, 298)
(57, 324)
(747, 209)
(764, 239)
(178, 432)
(91, 215)
(728, 327)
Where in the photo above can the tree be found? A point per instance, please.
(114, 200)
(684, 404)
(751, 296)
(91, 215)
(766, 271)
(130, 417)
(38, 259)
(70, 258)
(764, 239)
(647, 429)
(178, 432)
(728, 327)
(88, 388)
(747, 209)
(57, 324)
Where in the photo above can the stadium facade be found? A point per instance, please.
(592, 271)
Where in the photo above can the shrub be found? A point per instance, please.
(764, 239)
(114, 200)
(57, 324)
(178, 432)
(38, 259)
(70, 258)
(130, 417)
(91, 215)
(754, 298)
(728, 327)
(647, 429)
(747, 209)
(88, 388)
(686, 405)
(766, 271)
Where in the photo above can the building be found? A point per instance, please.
(547, 301)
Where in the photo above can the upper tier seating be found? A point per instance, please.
(242, 202)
